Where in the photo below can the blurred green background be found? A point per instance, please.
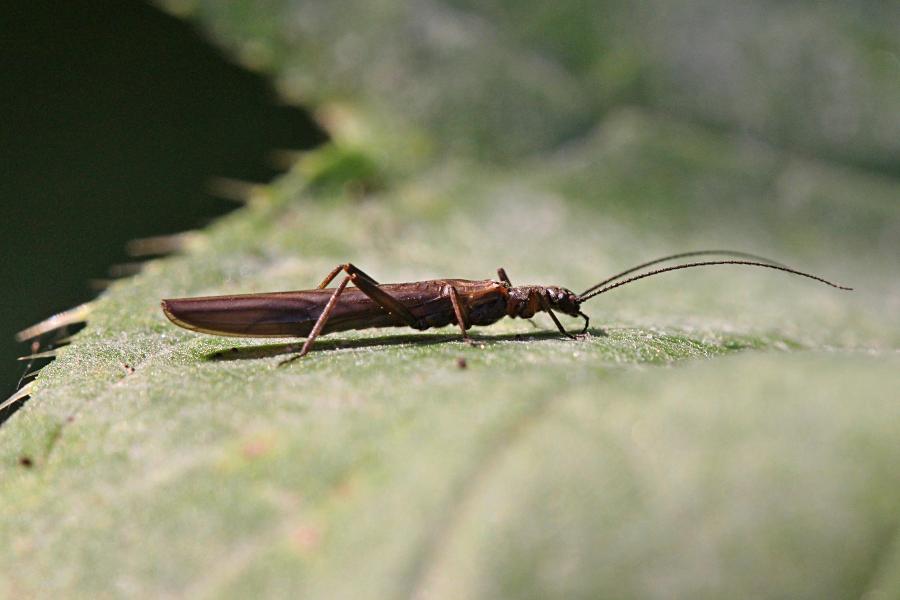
(115, 117)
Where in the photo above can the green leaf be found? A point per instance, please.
(721, 432)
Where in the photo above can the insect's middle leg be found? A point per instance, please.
(462, 317)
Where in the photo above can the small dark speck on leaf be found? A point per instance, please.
(461, 363)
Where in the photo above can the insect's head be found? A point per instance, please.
(563, 300)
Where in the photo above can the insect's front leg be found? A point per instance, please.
(545, 306)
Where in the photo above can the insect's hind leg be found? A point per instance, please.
(320, 322)
(349, 268)
(370, 288)
(366, 285)
(330, 277)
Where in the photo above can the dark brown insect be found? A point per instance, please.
(420, 305)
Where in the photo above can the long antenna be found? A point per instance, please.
(584, 297)
(655, 261)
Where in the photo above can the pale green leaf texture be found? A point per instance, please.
(721, 433)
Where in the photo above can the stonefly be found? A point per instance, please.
(419, 304)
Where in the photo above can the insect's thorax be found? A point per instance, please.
(524, 301)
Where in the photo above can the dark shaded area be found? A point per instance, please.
(115, 117)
